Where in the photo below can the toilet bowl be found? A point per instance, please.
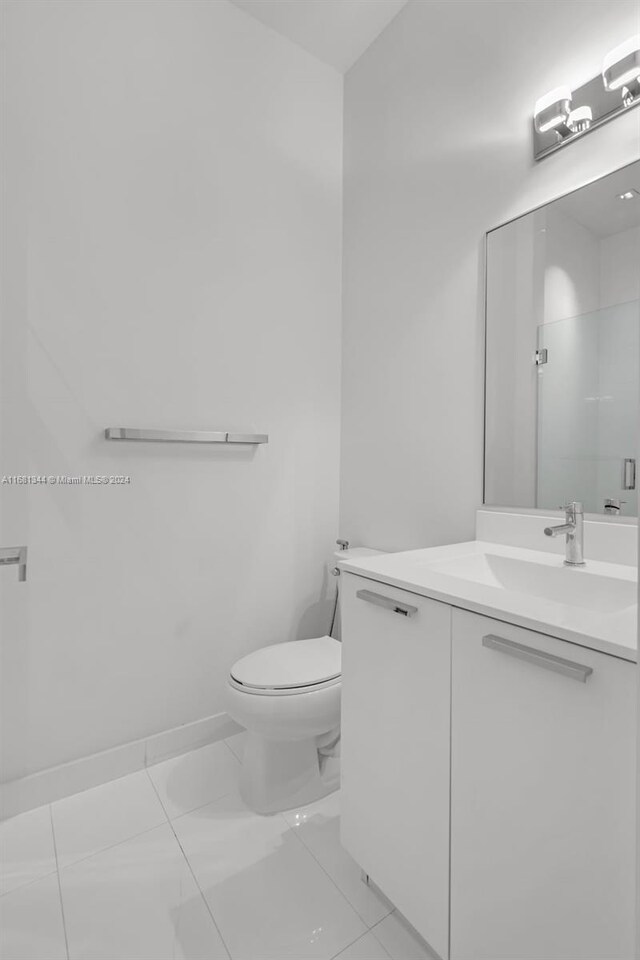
(287, 696)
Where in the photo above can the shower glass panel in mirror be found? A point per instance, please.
(563, 351)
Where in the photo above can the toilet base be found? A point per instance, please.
(280, 774)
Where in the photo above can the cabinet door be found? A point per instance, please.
(396, 671)
(543, 799)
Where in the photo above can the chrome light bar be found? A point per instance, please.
(563, 114)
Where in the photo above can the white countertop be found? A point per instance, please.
(417, 571)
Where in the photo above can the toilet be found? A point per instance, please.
(287, 696)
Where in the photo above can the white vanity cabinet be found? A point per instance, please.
(488, 778)
(542, 797)
(395, 747)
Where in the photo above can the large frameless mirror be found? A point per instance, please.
(563, 351)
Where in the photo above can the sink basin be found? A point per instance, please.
(593, 606)
(573, 586)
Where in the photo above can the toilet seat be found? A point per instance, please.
(287, 698)
(295, 667)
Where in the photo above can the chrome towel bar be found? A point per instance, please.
(183, 436)
(17, 555)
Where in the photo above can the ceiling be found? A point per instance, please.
(597, 206)
(336, 31)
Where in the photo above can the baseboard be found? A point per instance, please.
(17, 796)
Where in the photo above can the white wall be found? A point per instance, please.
(172, 259)
(515, 303)
(619, 274)
(438, 150)
(567, 422)
(541, 268)
(572, 268)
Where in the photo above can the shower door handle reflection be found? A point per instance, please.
(629, 474)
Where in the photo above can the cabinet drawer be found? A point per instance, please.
(395, 747)
(543, 811)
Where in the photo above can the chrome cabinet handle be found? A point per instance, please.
(184, 436)
(548, 661)
(17, 555)
(405, 609)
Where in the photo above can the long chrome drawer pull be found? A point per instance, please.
(184, 436)
(549, 661)
(403, 608)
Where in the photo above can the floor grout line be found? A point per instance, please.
(372, 930)
(382, 946)
(28, 883)
(337, 956)
(55, 851)
(336, 885)
(186, 813)
(297, 830)
(348, 945)
(191, 870)
(431, 954)
(111, 846)
(288, 828)
(378, 922)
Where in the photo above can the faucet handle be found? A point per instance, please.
(613, 505)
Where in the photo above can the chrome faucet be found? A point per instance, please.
(573, 527)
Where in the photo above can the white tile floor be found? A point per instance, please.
(169, 863)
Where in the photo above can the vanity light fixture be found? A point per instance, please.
(565, 114)
(553, 110)
(621, 70)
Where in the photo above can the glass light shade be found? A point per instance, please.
(553, 109)
(622, 65)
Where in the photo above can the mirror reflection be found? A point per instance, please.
(563, 351)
